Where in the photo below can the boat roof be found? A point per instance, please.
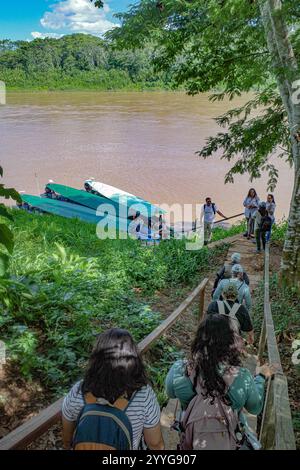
(122, 206)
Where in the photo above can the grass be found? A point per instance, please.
(67, 285)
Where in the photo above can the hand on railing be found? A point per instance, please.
(266, 370)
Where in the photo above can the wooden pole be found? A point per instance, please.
(201, 305)
(262, 341)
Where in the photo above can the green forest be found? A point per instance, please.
(77, 61)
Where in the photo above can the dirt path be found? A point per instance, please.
(253, 264)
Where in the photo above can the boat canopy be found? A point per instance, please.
(121, 196)
(120, 208)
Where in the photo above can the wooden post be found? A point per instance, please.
(267, 430)
(201, 304)
(262, 341)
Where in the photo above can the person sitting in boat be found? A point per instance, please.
(87, 187)
(49, 193)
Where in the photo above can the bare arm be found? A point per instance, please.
(221, 214)
(250, 337)
(67, 432)
(153, 438)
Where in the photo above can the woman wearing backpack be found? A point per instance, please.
(213, 388)
(270, 206)
(262, 223)
(114, 405)
(250, 203)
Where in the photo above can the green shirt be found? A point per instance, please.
(246, 391)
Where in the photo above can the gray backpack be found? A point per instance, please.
(232, 311)
(207, 425)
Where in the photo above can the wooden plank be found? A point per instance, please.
(262, 342)
(201, 305)
(224, 241)
(39, 424)
(277, 431)
(267, 430)
(284, 431)
(149, 340)
(33, 428)
(273, 353)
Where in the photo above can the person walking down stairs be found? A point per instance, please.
(244, 295)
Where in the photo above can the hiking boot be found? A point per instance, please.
(245, 234)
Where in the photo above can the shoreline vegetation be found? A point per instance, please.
(67, 285)
(78, 62)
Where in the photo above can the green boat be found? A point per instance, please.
(70, 210)
(118, 207)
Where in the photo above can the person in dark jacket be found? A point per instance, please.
(231, 306)
(225, 272)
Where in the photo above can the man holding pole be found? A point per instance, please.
(210, 210)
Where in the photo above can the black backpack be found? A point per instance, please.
(266, 223)
(213, 207)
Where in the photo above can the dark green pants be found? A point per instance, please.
(260, 237)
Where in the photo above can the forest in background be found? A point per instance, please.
(77, 61)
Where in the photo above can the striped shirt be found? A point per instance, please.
(143, 410)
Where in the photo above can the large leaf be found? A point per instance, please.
(9, 193)
(4, 212)
(6, 237)
(4, 260)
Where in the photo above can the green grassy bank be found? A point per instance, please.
(67, 285)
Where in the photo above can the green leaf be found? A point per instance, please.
(10, 193)
(4, 260)
(4, 212)
(6, 237)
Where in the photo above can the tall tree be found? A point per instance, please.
(235, 46)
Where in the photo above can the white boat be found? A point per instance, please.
(123, 197)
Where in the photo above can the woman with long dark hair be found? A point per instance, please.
(115, 370)
(251, 203)
(215, 369)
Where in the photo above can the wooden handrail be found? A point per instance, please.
(277, 431)
(34, 428)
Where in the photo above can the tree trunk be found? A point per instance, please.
(287, 72)
(290, 261)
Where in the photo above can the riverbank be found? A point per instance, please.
(67, 286)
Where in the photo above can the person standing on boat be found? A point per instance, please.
(210, 210)
(251, 204)
(270, 206)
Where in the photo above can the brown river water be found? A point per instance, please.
(144, 143)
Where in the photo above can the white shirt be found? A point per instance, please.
(209, 213)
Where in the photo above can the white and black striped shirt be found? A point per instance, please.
(143, 410)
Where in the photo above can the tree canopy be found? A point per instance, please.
(229, 47)
(77, 60)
